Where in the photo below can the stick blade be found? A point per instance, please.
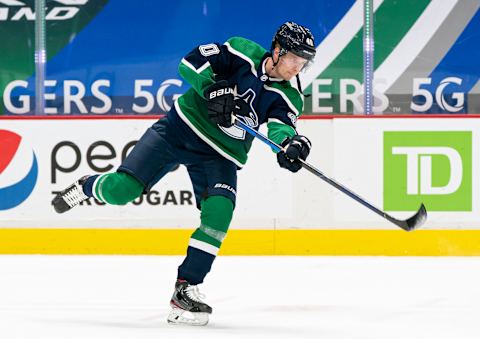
(414, 222)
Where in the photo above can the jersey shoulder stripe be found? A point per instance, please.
(246, 49)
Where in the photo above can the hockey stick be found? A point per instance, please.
(410, 224)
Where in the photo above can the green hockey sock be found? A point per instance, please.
(117, 188)
(216, 215)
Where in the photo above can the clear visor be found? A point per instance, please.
(292, 60)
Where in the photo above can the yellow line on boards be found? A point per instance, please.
(242, 242)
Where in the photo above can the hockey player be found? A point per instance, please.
(237, 78)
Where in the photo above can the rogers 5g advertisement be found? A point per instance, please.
(106, 57)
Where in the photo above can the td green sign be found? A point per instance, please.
(430, 167)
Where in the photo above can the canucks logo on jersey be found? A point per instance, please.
(244, 103)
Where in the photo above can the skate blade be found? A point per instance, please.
(179, 316)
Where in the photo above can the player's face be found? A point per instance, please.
(290, 65)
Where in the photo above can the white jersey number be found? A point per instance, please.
(210, 49)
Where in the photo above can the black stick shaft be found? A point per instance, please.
(410, 224)
(342, 188)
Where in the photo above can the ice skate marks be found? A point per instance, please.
(18, 170)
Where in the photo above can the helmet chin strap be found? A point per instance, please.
(281, 53)
(275, 63)
(299, 85)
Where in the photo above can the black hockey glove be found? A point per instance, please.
(220, 103)
(296, 147)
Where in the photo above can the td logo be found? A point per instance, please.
(430, 167)
(18, 170)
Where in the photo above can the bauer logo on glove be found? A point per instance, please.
(220, 92)
(221, 103)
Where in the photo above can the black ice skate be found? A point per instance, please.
(70, 197)
(187, 307)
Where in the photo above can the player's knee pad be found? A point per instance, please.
(117, 188)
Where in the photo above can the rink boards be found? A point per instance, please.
(394, 163)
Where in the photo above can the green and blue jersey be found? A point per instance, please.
(242, 63)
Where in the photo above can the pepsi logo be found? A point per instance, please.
(18, 170)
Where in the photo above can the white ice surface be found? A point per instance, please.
(103, 297)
